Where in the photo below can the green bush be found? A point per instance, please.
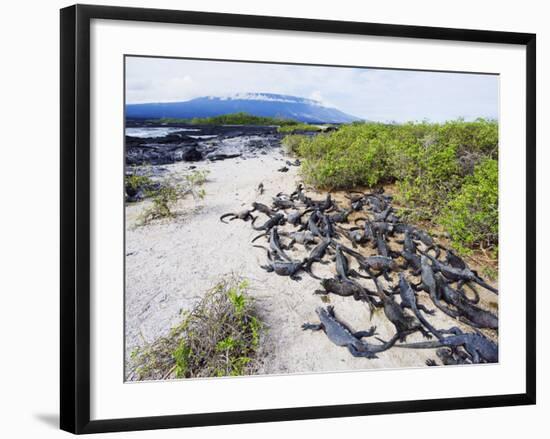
(220, 336)
(291, 143)
(471, 216)
(297, 128)
(430, 163)
(355, 155)
(232, 119)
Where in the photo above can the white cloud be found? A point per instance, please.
(373, 94)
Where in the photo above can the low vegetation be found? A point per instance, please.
(232, 119)
(438, 170)
(165, 197)
(471, 216)
(134, 182)
(289, 129)
(220, 336)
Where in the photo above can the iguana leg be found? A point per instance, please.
(354, 273)
(369, 333)
(357, 353)
(425, 333)
(430, 362)
(267, 268)
(454, 330)
(312, 326)
(426, 310)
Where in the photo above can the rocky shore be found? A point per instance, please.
(194, 143)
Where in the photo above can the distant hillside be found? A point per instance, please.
(257, 104)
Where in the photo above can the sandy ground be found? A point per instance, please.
(170, 263)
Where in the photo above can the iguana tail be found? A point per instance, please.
(259, 236)
(418, 345)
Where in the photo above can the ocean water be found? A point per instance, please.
(154, 131)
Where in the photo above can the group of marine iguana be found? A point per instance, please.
(319, 227)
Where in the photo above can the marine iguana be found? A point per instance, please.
(479, 347)
(412, 261)
(263, 209)
(404, 323)
(380, 264)
(244, 215)
(376, 203)
(382, 246)
(356, 202)
(275, 244)
(340, 217)
(305, 238)
(295, 217)
(300, 195)
(427, 240)
(318, 253)
(409, 245)
(327, 229)
(324, 205)
(355, 235)
(455, 261)
(460, 275)
(339, 334)
(343, 272)
(275, 220)
(347, 289)
(285, 268)
(469, 313)
(283, 203)
(408, 300)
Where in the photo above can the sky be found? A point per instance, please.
(368, 93)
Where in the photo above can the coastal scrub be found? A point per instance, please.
(220, 336)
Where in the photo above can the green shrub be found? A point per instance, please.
(135, 182)
(354, 155)
(232, 119)
(429, 162)
(291, 143)
(297, 128)
(471, 216)
(220, 336)
(163, 202)
(428, 174)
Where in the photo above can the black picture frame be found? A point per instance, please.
(75, 217)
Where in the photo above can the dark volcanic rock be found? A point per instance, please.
(220, 156)
(198, 144)
(192, 155)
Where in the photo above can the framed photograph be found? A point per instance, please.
(275, 218)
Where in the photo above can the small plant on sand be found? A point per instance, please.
(220, 336)
(137, 184)
(165, 197)
(193, 182)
